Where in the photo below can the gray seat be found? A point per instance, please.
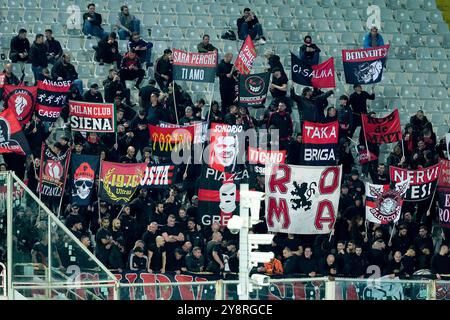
(408, 92)
(15, 16)
(321, 25)
(295, 36)
(284, 11)
(356, 26)
(39, 27)
(300, 11)
(348, 39)
(101, 71)
(286, 23)
(435, 17)
(352, 14)
(176, 33)
(50, 17)
(434, 80)
(85, 71)
(429, 5)
(338, 25)
(216, 9)
(167, 21)
(390, 92)
(446, 41)
(433, 41)
(407, 27)
(425, 92)
(419, 78)
(195, 34)
(47, 4)
(378, 104)
(266, 11)
(31, 16)
(73, 44)
(411, 66)
(166, 8)
(391, 26)
(184, 21)
(149, 7)
(330, 38)
(201, 21)
(426, 66)
(327, 3)
(403, 16)
(404, 53)
(439, 54)
(272, 23)
(336, 13)
(89, 43)
(318, 12)
(441, 93)
(416, 41)
(363, 4)
(423, 53)
(399, 40)
(394, 4)
(425, 28)
(442, 28)
(305, 25)
(150, 19)
(401, 79)
(419, 16)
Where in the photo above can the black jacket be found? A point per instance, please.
(356, 266)
(307, 266)
(358, 102)
(88, 97)
(38, 55)
(250, 24)
(290, 266)
(440, 264)
(222, 70)
(311, 109)
(105, 51)
(65, 72)
(111, 87)
(53, 46)
(283, 122)
(97, 18)
(19, 45)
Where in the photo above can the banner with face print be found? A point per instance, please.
(218, 195)
(253, 89)
(364, 66)
(224, 146)
(51, 98)
(84, 171)
(53, 172)
(21, 100)
(12, 138)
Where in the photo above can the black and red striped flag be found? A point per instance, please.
(12, 138)
(21, 100)
(51, 98)
(320, 142)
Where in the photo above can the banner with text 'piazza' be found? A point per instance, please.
(194, 66)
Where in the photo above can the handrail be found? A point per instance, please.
(4, 278)
(58, 222)
(167, 284)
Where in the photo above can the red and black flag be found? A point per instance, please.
(260, 158)
(364, 66)
(218, 195)
(194, 66)
(84, 170)
(12, 138)
(51, 98)
(246, 57)
(253, 89)
(317, 76)
(382, 130)
(168, 140)
(320, 142)
(53, 172)
(226, 147)
(21, 100)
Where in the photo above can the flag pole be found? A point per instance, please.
(392, 232)
(98, 188)
(431, 202)
(365, 138)
(120, 212)
(174, 101)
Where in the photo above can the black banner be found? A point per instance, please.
(51, 98)
(84, 170)
(53, 172)
(253, 89)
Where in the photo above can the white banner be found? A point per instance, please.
(302, 199)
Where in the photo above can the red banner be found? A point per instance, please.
(260, 158)
(51, 98)
(246, 56)
(21, 100)
(323, 75)
(12, 138)
(166, 140)
(92, 117)
(444, 176)
(382, 130)
(422, 182)
(53, 172)
(320, 142)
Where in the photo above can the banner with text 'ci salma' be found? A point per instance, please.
(92, 117)
(364, 66)
(194, 66)
(320, 142)
(317, 76)
(253, 89)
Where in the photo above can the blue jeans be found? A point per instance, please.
(79, 84)
(93, 30)
(146, 56)
(255, 32)
(134, 27)
(36, 72)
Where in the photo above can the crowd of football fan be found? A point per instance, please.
(159, 230)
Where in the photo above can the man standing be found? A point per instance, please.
(205, 46)
(163, 70)
(130, 156)
(64, 70)
(309, 108)
(278, 88)
(358, 102)
(104, 241)
(127, 24)
(214, 254)
(20, 47)
(249, 24)
(345, 118)
(309, 52)
(38, 56)
(282, 120)
(173, 237)
(115, 88)
(54, 49)
(227, 81)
